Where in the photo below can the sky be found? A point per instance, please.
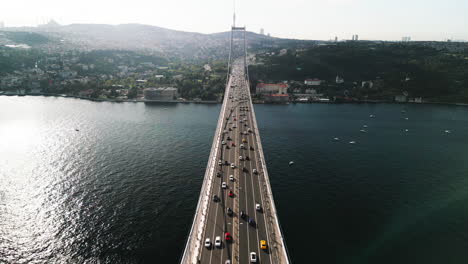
(302, 19)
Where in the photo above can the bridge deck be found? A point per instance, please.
(236, 126)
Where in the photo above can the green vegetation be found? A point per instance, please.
(416, 69)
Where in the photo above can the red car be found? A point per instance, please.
(231, 194)
(233, 144)
(227, 236)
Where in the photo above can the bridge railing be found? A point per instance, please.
(193, 246)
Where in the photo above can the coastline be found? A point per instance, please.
(216, 102)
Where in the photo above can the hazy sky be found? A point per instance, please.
(305, 19)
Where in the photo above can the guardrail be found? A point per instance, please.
(194, 241)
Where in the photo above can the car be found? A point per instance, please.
(249, 130)
(218, 241)
(263, 244)
(251, 148)
(228, 261)
(215, 198)
(229, 211)
(230, 129)
(240, 158)
(223, 143)
(207, 243)
(227, 147)
(233, 144)
(242, 214)
(244, 140)
(242, 146)
(255, 171)
(251, 222)
(258, 207)
(228, 138)
(220, 162)
(230, 193)
(224, 185)
(253, 257)
(234, 126)
(233, 165)
(218, 174)
(231, 177)
(247, 158)
(245, 169)
(227, 236)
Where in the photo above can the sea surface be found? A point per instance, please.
(101, 182)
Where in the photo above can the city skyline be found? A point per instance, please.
(300, 19)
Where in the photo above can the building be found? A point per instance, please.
(400, 98)
(355, 37)
(271, 88)
(161, 94)
(339, 80)
(2, 24)
(277, 98)
(262, 31)
(313, 82)
(406, 39)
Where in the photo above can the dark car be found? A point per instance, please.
(242, 214)
(245, 169)
(247, 158)
(251, 222)
(229, 211)
(251, 148)
(215, 198)
(218, 174)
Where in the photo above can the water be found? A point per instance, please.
(124, 187)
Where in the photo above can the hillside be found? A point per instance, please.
(137, 37)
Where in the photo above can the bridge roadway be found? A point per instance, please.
(236, 137)
(245, 186)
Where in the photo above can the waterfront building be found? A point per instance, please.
(160, 94)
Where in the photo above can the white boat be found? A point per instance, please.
(336, 139)
(372, 116)
(448, 131)
(291, 163)
(365, 126)
(363, 131)
(352, 142)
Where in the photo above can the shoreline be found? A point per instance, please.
(216, 102)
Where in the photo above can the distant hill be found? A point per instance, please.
(150, 38)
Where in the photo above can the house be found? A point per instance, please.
(313, 82)
(271, 88)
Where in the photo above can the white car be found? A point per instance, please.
(255, 171)
(207, 243)
(220, 162)
(233, 165)
(224, 185)
(234, 126)
(223, 143)
(258, 207)
(231, 177)
(242, 146)
(253, 257)
(240, 158)
(218, 241)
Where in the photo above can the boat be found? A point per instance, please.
(336, 139)
(365, 126)
(406, 130)
(291, 163)
(372, 116)
(363, 131)
(448, 131)
(352, 142)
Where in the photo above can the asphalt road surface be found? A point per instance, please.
(245, 187)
